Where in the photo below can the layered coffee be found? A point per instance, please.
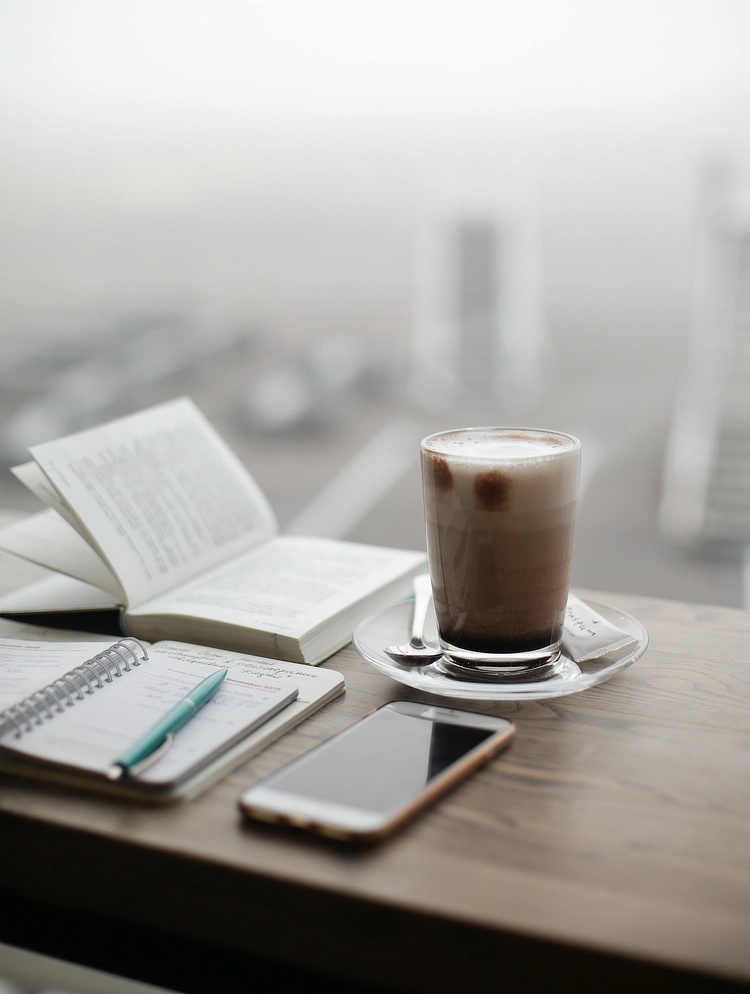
(500, 513)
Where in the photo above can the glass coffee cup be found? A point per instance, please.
(500, 507)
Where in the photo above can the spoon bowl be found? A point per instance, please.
(416, 651)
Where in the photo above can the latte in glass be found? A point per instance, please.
(500, 506)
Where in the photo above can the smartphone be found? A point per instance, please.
(368, 779)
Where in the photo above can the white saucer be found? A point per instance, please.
(392, 626)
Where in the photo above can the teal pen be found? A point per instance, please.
(160, 733)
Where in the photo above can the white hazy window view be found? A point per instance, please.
(341, 226)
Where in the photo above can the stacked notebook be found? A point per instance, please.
(69, 709)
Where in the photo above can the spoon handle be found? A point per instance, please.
(422, 598)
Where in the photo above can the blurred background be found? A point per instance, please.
(339, 226)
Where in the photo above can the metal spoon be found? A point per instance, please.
(415, 650)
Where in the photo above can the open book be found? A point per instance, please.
(69, 709)
(154, 516)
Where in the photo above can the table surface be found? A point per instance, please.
(608, 847)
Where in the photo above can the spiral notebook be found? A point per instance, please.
(68, 710)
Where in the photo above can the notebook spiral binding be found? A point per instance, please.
(102, 668)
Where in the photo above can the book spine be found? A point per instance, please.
(90, 676)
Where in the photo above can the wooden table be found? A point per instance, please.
(607, 850)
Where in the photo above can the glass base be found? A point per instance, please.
(387, 627)
(535, 664)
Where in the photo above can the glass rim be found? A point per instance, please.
(504, 429)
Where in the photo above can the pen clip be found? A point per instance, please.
(117, 772)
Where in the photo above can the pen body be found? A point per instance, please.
(171, 722)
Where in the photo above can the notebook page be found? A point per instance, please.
(26, 666)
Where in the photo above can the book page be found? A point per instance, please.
(47, 540)
(288, 585)
(57, 594)
(34, 480)
(158, 495)
(93, 732)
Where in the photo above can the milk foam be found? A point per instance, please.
(500, 444)
(542, 466)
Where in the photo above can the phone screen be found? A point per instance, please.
(380, 765)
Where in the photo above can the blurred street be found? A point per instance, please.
(337, 452)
